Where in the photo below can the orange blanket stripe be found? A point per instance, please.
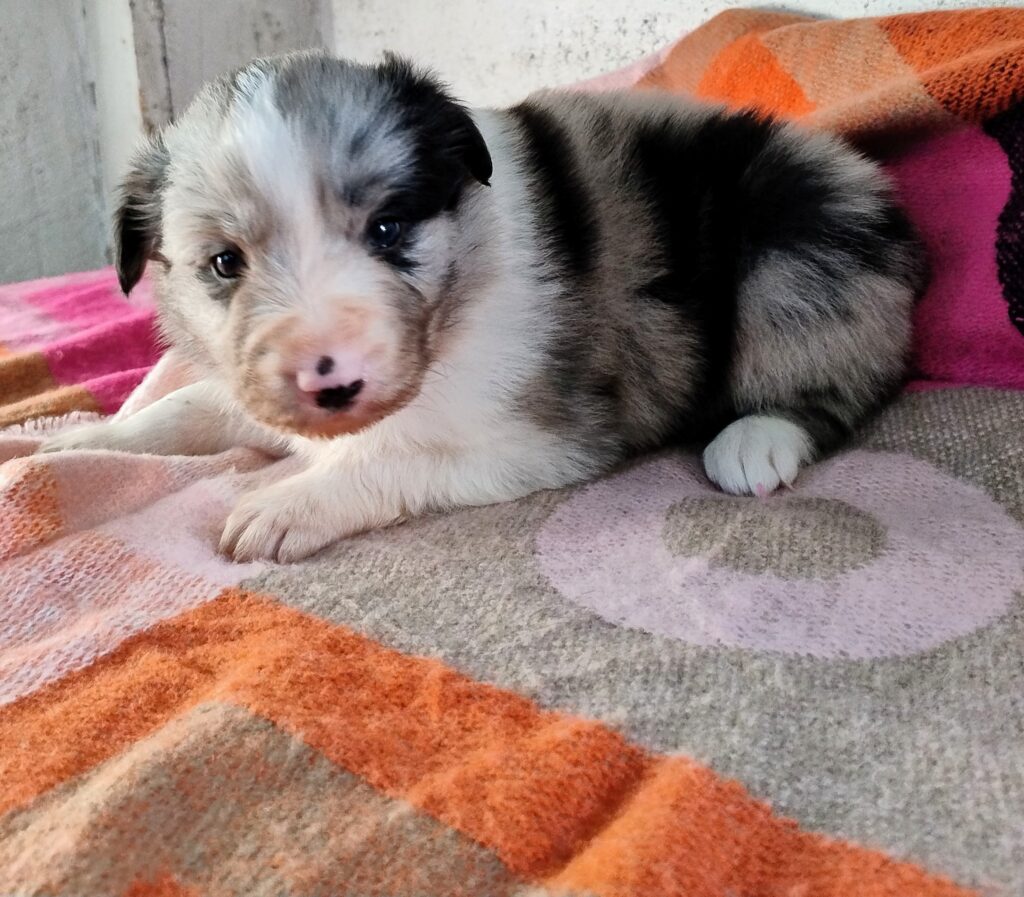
(562, 801)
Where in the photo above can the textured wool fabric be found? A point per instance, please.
(912, 741)
(640, 686)
(257, 789)
(937, 97)
(561, 801)
(72, 343)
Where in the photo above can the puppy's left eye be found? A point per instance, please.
(228, 264)
(384, 233)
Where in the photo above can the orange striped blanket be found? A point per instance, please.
(636, 687)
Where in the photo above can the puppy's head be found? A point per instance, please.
(301, 214)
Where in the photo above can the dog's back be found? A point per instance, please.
(714, 266)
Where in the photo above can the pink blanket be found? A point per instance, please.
(72, 343)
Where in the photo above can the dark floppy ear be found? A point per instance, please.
(137, 220)
(470, 146)
(430, 109)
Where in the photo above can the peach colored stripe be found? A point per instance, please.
(29, 508)
(971, 61)
(557, 799)
(858, 82)
(930, 39)
(220, 764)
(886, 119)
(747, 75)
(24, 375)
(88, 559)
(48, 404)
(686, 61)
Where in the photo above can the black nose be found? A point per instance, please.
(338, 397)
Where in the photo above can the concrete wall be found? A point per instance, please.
(111, 46)
(496, 52)
(181, 44)
(50, 184)
(80, 79)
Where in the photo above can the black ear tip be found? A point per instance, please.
(133, 243)
(128, 277)
(477, 157)
(137, 220)
(126, 284)
(482, 175)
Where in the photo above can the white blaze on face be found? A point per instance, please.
(283, 170)
(278, 165)
(336, 293)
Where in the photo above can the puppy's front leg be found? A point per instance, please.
(193, 420)
(351, 489)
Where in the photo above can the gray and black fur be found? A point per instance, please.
(711, 265)
(675, 267)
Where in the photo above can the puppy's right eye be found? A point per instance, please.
(228, 264)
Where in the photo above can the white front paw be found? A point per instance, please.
(756, 454)
(95, 436)
(290, 520)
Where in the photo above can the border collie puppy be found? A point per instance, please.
(434, 307)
